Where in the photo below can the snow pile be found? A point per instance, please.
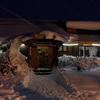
(96, 69)
(86, 63)
(90, 63)
(66, 60)
(19, 60)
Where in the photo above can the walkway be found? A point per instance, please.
(83, 80)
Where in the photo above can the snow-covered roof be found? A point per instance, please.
(13, 26)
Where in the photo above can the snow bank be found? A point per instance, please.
(86, 63)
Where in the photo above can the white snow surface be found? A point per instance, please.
(56, 87)
(87, 63)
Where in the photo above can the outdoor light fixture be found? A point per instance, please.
(95, 44)
(22, 45)
(70, 44)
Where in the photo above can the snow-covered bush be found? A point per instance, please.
(86, 63)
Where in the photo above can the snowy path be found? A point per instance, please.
(47, 86)
(56, 87)
(83, 80)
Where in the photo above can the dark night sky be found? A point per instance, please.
(52, 9)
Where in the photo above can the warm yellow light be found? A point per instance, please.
(86, 44)
(70, 44)
(95, 44)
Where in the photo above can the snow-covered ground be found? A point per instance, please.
(56, 86)
(86, 63)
